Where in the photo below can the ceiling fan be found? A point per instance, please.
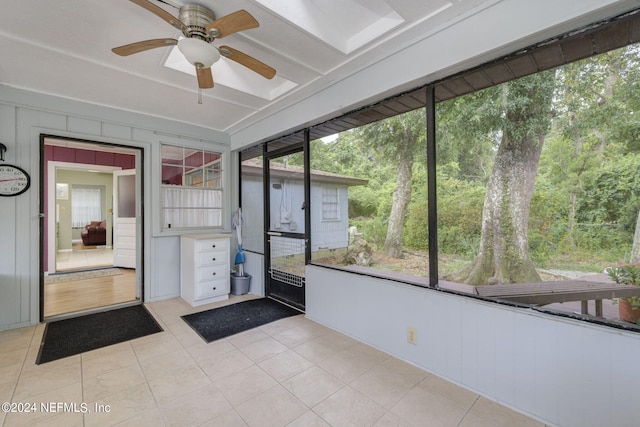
(200, 28)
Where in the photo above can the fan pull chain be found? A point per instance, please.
(199, 95)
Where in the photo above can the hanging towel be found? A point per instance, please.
(285, 203)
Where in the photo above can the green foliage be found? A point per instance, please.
(416, 232)
(626, 274)
(453, 240)
(526, 108)
(387, 138)
(587, 190)
(363, 202)
(611, 196)
(384, 204)
(466, 137)
(459, 217)
(374, 229)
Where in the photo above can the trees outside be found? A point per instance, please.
(503, 255)
(591, 156)
(398, 141)
(635, 247)
(585, 196)
(539, 172)
(385, 152)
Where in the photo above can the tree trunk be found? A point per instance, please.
(401, 197)
(503, 256)
(635, 249)
(504, 246)
(571, 222)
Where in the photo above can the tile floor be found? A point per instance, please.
(293, 372)
(82, 258)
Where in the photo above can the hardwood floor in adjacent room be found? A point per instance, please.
(78, 295)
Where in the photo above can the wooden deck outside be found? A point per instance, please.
(591, 288)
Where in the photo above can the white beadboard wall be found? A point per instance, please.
(24, 116)
(560, 371)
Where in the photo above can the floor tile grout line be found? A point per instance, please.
(162, 324)
(277, 382)
(469, 409)
(198, 364)
(24, 361)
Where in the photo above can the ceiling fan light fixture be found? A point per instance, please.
(199, 52)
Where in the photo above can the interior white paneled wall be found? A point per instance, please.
(561, 371)
(24, 116)
(9, 283)
(163, 265)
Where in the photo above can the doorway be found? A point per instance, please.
(285, 234)
(78, 242)
(79, 273)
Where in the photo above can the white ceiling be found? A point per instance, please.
(63, 48)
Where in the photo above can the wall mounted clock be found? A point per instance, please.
(13, 180)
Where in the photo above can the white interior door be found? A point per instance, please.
(124, 218)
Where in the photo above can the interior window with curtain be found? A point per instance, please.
(86, 206)
(191, 188)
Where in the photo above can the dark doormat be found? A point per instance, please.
(74, 336)
(231, 319)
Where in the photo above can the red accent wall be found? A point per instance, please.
(90, 157)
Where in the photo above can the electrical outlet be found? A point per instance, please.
(412, 335)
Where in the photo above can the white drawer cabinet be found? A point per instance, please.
(204, 268)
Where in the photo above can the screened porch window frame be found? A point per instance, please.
(581, 43)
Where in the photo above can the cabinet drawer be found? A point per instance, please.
(211, 258)
(211, 273)
(212, 245)
(211, 288)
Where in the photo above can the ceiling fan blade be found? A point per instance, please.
(205, 77)
(232, 23)
(248, 61)
(130, 49)
(163, 14)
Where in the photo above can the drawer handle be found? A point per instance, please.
(213, 259)
(213, 246)
(214, 288)
(214, 273)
